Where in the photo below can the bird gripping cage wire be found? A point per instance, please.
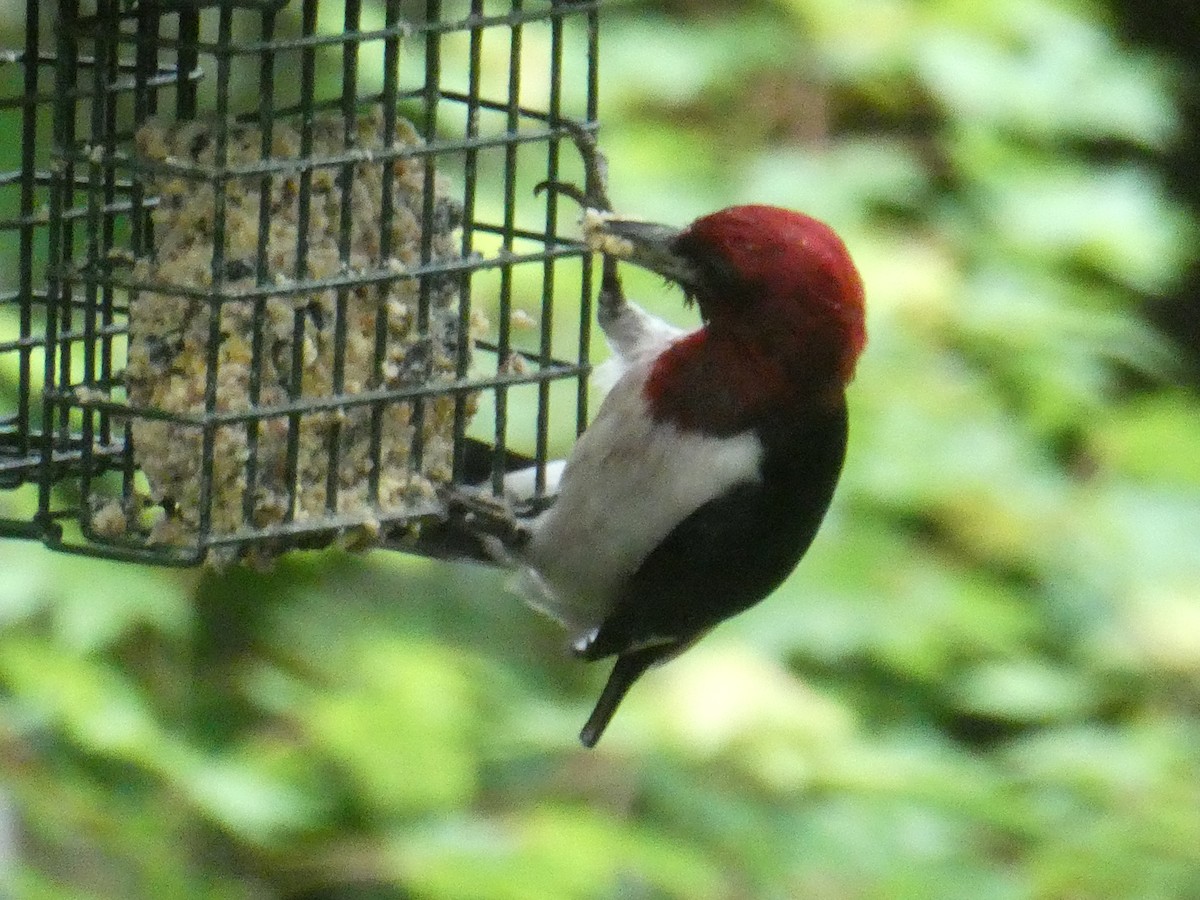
(274, 271)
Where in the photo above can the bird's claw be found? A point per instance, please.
(594, 194)
(484, 515)
(565, 188)
(611, 299)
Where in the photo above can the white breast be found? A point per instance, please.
(629, 481)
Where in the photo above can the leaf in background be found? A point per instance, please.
(400, 726)
(687, 58)
(94, 704)
(554, 851)
(1035, 68)
(1025, 691)
(1153, 440)
(247, 801)
(1116, 220)
(841, 184)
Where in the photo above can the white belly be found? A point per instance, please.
(628, 483)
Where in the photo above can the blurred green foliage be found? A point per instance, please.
(984, 680)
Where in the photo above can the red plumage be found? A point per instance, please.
(783, 307)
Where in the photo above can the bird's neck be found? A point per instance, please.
(723, 381)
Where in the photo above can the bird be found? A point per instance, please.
(711, 463)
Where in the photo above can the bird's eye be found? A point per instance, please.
(719, 276)
(714, 272)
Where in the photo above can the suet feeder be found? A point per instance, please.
(275, 272)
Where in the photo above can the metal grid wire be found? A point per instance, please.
(83, 207)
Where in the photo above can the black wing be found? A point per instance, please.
(723, 558)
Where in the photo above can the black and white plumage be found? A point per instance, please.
(710, 465)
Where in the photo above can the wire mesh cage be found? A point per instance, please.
(274, 271)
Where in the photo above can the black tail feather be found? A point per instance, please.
(629, 668)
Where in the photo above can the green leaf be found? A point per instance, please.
(245, 799)
(1152, 440)
(1117, 220)
(1038, 69)
(400, 727)
(1024, 691)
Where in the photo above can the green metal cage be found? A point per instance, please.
(274, 272)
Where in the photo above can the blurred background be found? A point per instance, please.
(984, 679)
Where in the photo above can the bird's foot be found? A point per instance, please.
(485, 516)
(594, 194)
(594, 199)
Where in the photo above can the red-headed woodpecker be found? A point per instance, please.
(711, 463)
